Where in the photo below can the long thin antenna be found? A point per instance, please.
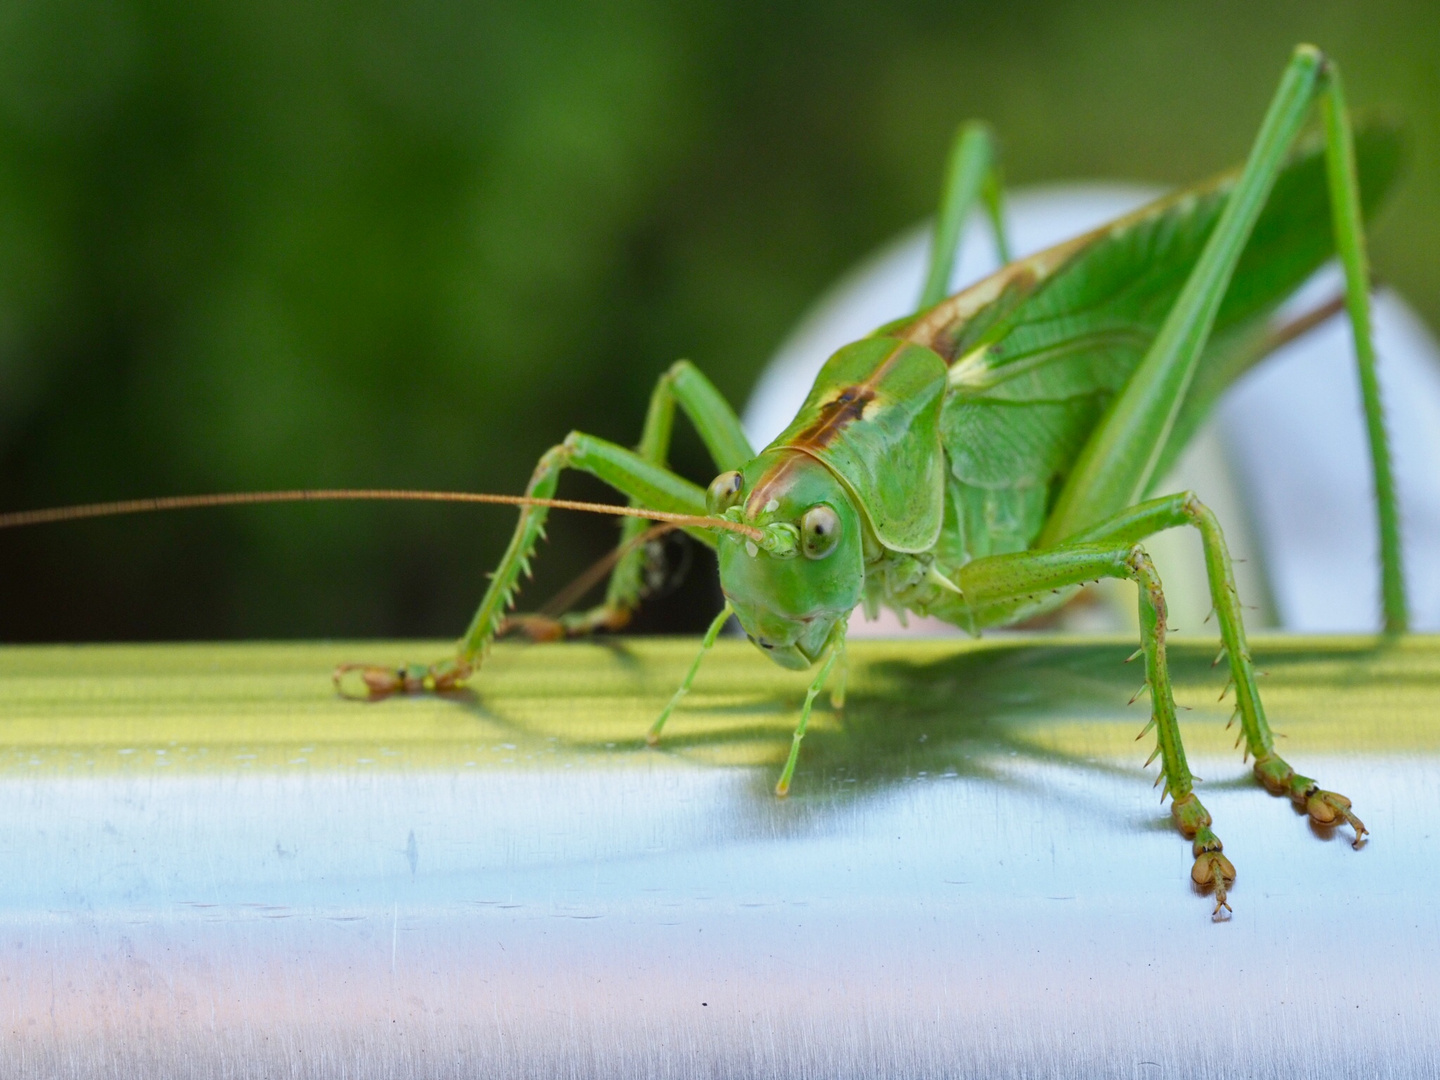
(19, 518)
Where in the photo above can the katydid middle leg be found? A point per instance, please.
(995, 581)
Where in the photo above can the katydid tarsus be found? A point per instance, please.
(983, 458)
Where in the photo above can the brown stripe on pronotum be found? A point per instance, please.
(835, 415)
(844, 409)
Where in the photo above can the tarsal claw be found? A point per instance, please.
(1329, 808)
(1214, 870)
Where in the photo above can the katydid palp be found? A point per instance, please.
(980, 460)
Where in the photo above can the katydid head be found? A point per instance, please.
(790, 589)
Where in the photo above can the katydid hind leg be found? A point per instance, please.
(1119, 460)
(972, 176)
(1000, 577)
(1349, 229)
(1326, 808)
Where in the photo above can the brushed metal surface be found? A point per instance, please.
(209, 868)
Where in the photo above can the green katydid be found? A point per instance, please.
(981, 459)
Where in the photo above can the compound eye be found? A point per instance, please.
(819, 531)
(724, 492)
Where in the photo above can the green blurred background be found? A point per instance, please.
(250, 245)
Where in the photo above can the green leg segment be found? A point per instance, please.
(1349, 230)
(1324, 807)
(641, 474)
(997, 578)
(1118, 463)
(706, 644)
(972, 174)
(719, 429)
(836, 649)
(684, 385)
(842, 679)
(647, 484)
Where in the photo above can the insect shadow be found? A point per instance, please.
(988, 715)
(985, 714)
(977, 714)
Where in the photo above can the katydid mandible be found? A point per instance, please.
(980, 460)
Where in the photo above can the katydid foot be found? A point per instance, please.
(1212, 870)
(1326, 808)
(372, 682)
(369, 682)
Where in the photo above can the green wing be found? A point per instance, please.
(1037, 351)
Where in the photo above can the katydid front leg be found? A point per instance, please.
(719, 429)
(1326, 808)
(648, 484)
(997, 579)
(706, 644)
(640, 474)
(835, 652)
